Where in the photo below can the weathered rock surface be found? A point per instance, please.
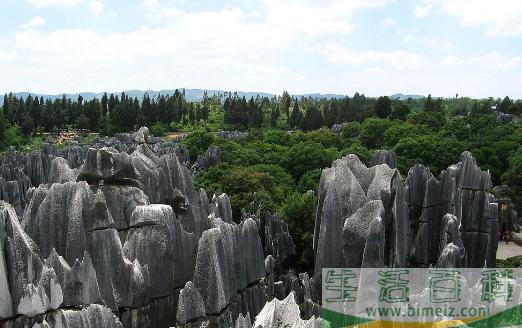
(231, 135)
(387, 157)
(158, 239)
(211, 157)
(108, 165)
(60, 171)
(450, 221)
(284, 313)
(190, 304)
(276, 238)
(222, 267)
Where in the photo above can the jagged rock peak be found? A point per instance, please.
(387, 157)
(284, 313)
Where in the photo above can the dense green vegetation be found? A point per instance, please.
(290, 140)
(511, 262)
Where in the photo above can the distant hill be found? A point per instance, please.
(400, 96)
(190, 94)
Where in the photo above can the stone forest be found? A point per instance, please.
(114, 234)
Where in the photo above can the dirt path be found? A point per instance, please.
(175, 136)
(505, 251)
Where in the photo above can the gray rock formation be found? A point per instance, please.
(141, 136)
(243, 321)
(190, 304)
(387, 157)
(156, 238)
(231, 135)
(276, 238)
(338, 128)
(60, 171)
(211, 157)
(284, 313)
(32, 287)
(108, 165)
(378, 221)
(222, 267)
(222, 208)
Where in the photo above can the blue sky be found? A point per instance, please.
(442, 47)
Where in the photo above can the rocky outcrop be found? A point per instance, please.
(190, 304)
(222, 268)
(284, 313)
(88, 244)
(60, 171)
(387, 157)
(354, 213)
(378, 221)
(109, 166)
(231, 135)
(114, 234)
(30, 287)
(338, 128)
(211, 157)
(276, 238)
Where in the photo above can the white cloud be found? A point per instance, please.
(422, 11)
(96, 7)
(500, 17)
(35, 22)
(340, 54)
(316, 18)
(388, 22)
(435, 43)
(151, 3)
(59, 3)
(408, 38)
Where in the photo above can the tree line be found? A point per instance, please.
(112, 113)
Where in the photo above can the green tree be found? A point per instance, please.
(26, 124)
(82, 122)
(372, 132)
(504, 105)
(400, 111)
(431, 150)
(295, 116)
(274, 116)
(158, 130)
(312, 119)
(396, 133)
(3, 126)
(383, 107)
(351, 130)
(433, 120)
(306, 156)
(298, 211)
(198, 142)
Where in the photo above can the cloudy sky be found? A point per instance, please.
(442, 47)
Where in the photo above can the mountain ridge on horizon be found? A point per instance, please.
(190, 94)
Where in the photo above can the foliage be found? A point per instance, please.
(298, 211)
(158, 130)
(433, 120)
(351, 130)
(198, 142)
(400, 111)
(309, 155)
(430, 150)
(383, 107)
(511, 262)
(372, 132)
